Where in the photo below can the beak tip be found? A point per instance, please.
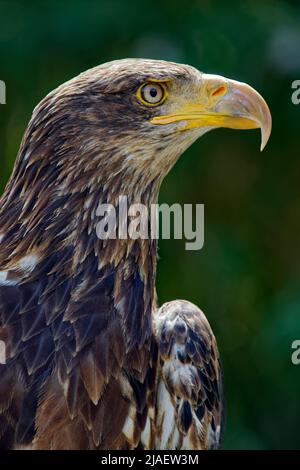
(265, 135)
(255, 108)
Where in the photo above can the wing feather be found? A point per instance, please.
(190, 389)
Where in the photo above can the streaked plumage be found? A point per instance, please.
(86, 369)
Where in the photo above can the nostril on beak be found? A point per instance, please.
(220, 91)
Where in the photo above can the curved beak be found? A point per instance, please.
(221, 102)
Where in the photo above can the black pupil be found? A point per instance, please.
(153, 92)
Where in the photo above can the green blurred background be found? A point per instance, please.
(247, 277)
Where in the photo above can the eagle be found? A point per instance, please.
(92, 360)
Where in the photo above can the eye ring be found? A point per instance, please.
(152, 93)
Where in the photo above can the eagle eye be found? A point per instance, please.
(152, 94)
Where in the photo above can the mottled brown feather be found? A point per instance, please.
(191, 375)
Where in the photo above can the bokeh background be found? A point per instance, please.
(247, 277)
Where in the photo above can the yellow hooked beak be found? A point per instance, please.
(223, 103)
